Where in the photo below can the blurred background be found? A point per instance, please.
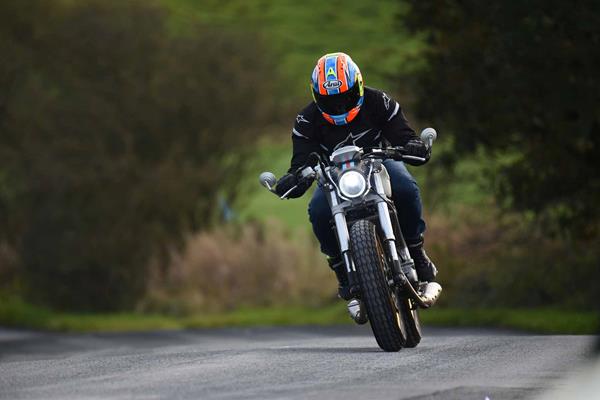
(132, 133)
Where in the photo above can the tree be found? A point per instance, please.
(116, 136)
(520, 78)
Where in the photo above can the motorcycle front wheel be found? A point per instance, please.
(385, 317)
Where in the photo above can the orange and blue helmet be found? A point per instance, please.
(337, 88)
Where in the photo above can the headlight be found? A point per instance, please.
(352, 184)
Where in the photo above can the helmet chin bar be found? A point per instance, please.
(343, 119)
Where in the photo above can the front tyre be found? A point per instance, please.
(386, 322)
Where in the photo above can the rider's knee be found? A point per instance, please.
(318, 210)
(405, 190)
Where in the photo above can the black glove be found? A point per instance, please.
(287, 182)
(417, 148)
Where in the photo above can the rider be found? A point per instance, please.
(345, 112)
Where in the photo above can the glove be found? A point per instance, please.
(417, 148)
(287, 182)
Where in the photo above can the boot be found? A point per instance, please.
(338, 266)
(426, 270)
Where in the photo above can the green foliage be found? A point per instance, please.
(260, 205)
(520, 78)
(541, 320)
(17, 313)
(300, 32)
(116, 136)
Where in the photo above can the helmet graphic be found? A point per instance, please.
(337, 88)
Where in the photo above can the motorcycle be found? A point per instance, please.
(381, 273)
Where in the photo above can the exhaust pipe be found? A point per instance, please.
(431, 293)
(427, 297)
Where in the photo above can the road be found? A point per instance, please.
(283, 363)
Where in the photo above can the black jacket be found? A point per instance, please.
(380, 122)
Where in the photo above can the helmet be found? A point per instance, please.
(337, 88)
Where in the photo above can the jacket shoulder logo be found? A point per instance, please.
(300, 118)
(386, 101)
(329, 85)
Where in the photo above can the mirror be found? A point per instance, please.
(267, 179)
(428, 136)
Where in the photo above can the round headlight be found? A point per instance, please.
(352, 184)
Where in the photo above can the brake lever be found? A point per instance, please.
(414, 158)
(302, 173)
(285, 195)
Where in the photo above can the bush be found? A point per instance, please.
(492, 259)
(254, 265)
(520, 78)
(116, 136)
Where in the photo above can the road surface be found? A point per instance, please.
(284, 363)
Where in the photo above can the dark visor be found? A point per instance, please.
(336, 104)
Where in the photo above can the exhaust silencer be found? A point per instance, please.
(425, 297)
(431, 293)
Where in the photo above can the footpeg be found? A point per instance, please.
(357, 311)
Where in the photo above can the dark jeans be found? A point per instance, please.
(407, 199)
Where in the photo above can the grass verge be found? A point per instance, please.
(551, 321)
(16, 313)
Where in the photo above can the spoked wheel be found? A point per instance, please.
(387, 323)
(410, 314)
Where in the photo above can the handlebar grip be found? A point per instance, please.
(307, 173)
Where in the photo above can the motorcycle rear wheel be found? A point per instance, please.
(410, 313)
(385, 317)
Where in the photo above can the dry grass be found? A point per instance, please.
(485, 260)
(501, 260)
(250, 265)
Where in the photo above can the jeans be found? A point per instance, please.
(407, 200)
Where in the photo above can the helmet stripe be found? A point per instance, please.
(351, 74)
(331, 72)
(314, 79)
(342, 66)
(321, 66)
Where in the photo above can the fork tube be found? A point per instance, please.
(342, 230)
(385, 221)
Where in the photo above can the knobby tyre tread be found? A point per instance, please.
(387, 325)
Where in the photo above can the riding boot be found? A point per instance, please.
(338, 266)
(426, 270)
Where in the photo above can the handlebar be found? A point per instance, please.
(395, 153)
(307, 171)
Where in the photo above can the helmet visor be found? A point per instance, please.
(337, 104)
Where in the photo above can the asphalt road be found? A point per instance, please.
(284, 363)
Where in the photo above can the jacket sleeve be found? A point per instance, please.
(303, 143)
(395, 127)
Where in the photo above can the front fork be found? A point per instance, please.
(402, 263)
(341, 228)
